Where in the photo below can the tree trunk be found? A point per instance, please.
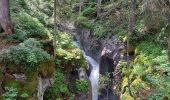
(131, 29)
(80, 6)
(55, 27)
(132, 19)
(99, 7)
(5, 20)
(168, 47)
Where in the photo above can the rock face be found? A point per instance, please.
(109, 59)
(110, 55)
(43, 84)
(107, 52)
(91, 45)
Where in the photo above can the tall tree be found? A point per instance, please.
(131, 29)
(55, 27)
(5, 20)
(80, 6)
(98, 7)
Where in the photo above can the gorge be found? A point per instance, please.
(84, 49)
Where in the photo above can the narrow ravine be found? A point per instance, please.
(94, 75)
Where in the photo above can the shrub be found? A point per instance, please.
(100, 31)
(26, 54)
(17, 37)
(59, 89)
(68, 53)
(150, 48)
(31, 42)
(89, 11)
(11, 93)
(26, 24)
(82, 85)
(104, 81)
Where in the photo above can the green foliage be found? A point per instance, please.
(150, 48)
(151, 70)
(81, 19)
(89, 11)
(17, 37)
(69, 52)
(121, 32)
(29, 26)
(59, 84)
(27, 54)
(100, 31)
(59, 89)
(31, 42)
(162, 63)
(104, 81)
(42, 12)
(81, 85)
(160, 95)
(21, 6)
(10, 94)
(66, 41)
(24, 95)
(12, 83)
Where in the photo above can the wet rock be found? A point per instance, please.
(82, 74)
(91, 45)
(110, 54)
(43, 84)
(20, 77)
(88, 71)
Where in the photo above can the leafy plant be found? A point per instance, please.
(69, 52)
(150, 48)
(89, 11)
(100, 31)
(59, 88)
(10, 94)
(30, 26)
(81, 85)
(104, 81)
(27, 54)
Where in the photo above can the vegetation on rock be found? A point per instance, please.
(26, 35)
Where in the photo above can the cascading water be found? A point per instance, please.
(94, 75)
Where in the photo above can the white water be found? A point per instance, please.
(94, 75)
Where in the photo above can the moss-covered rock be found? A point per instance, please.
(47, 69)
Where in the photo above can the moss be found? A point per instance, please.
(32, 83)
(12, 83)
(47, 68)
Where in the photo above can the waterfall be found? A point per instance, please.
(94, 75)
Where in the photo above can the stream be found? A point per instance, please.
(94, 75)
